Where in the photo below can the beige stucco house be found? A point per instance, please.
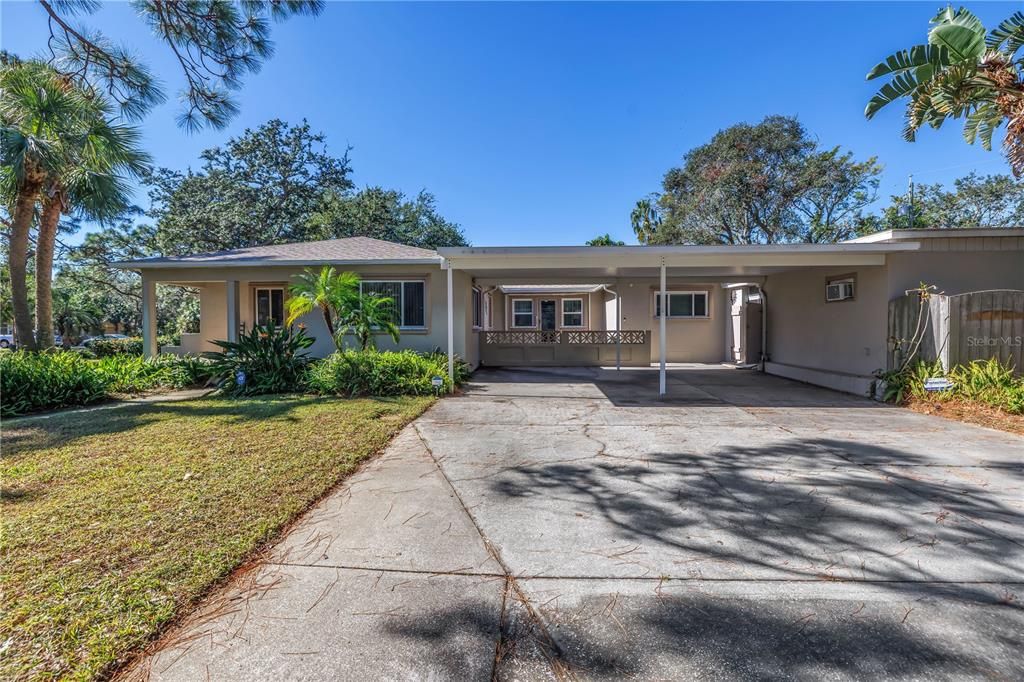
(813, 312)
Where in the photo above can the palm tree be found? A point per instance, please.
(61, 150)
(35, 112)
(327, 290)
(70, 316)
(604, 240)
(93, 187)
(646, 220)
(962, 72)
(370, 315)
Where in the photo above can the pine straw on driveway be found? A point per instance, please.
(116, 521)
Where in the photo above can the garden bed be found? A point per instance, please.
(971, 412)
(114, 526)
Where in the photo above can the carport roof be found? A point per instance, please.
(719, 260)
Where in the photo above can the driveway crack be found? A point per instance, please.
(549, 648)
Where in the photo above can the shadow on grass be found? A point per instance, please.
(25, 434)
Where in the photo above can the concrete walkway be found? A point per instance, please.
(567, 524)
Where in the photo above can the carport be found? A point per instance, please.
(633, 270)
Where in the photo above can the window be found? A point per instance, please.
(269, 306)
(572, 312)
(522, 312)
(409, 297)
(683, 304)
(477, 311)
(839, 289)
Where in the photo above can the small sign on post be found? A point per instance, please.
(937, 384)
(437, 383)
(240, 378)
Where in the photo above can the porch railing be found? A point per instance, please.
(625, 337)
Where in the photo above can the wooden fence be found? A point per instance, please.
(958, 329)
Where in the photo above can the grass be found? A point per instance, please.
(116, 521)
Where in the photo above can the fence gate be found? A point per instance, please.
(959, 329)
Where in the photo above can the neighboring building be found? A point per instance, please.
(824, 306)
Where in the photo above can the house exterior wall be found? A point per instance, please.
(959, 265)
(506, 320)
(213, 313)
(842, 344)
(688, 340)
(809, 338)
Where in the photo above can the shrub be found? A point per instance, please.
(104, 348)
(44, 381)
(986, 381)
(271, 360)
(372, 372)
(38, 381)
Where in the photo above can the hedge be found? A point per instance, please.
(371, 372)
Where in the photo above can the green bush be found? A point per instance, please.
(44, 381)
(985, 381)
(40, 381)
(133, 374)
(105, 348)
(269, 359)
(372, 372)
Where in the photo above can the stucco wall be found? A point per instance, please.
(841, 344)
(213, 304)
(807, 332)
(971, 268)
(688, 340)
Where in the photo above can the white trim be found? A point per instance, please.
(473, 313)
(937, 233)
(401, 300)
(533, 314)
(582, 324)
(669, 294)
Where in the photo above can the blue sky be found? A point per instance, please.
(543, 123)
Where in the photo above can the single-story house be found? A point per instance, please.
(813, 312)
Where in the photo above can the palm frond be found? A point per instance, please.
(900, 86)
(914, 58)
(1010, 32)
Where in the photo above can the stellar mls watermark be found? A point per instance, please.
(990, 341)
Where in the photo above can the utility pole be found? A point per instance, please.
(910, 209)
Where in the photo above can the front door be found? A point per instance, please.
(547, 316)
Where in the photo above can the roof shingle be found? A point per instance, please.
(345, 250)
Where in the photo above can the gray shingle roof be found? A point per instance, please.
(347, 250)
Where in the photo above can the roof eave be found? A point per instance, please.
(248, 263)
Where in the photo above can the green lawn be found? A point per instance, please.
(116, 520)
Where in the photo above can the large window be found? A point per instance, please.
(572, 312)
(409, 297)
(683, 304)
(522, 312)
(269, 306)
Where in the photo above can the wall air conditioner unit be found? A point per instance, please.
(839, 290)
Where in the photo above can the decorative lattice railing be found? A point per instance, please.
(576, 338)
(625, 337)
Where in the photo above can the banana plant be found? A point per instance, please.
(961, 72)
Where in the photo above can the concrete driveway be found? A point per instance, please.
(566, 523)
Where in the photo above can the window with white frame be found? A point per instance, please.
(572, 312)
(477, 308)
(522, 312)
(269, 302)
(409, 298)
(683, 304)
(839, 288)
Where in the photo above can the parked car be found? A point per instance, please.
(89, 340)
(7, 340)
